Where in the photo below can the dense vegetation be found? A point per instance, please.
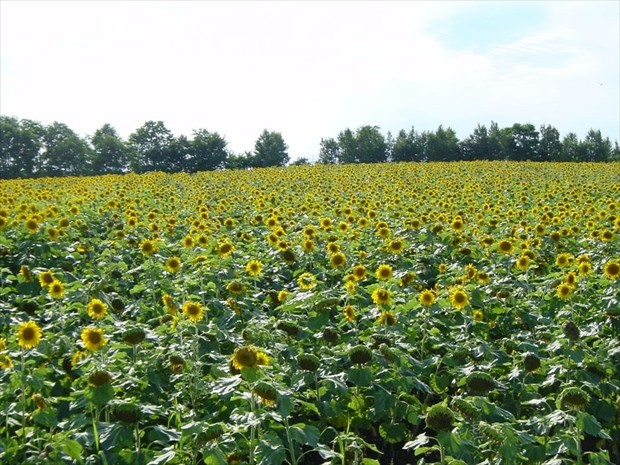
(353, 314)
(30, 149)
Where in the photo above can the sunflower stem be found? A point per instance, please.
(290, 442)
(23, 382)
(95, 418)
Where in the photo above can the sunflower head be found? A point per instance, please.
(28, 335)
(427, 298)
(99, 378)
(193, 311)
(531, 362)
(574, 398)
(360, 355)
(266, 393)
(127, 412)
(97, 309)
(384, 272)
(439, 418)
(134, 336)
(480, 383)
(173, 264)
(56, 289)
(611, 269)
(93, 338)
(308, 362)
(458, 297)
(245, 357)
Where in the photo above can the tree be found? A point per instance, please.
(442, 145)
(110, 154)
(549, 146)
(521, 142)
(408, 146)
(153, 148)
(496, 143)
(20, 146)
(301, 162)
(270, 150)
(348, 147)
(371, 146)
(329, 152)
(477, 145)
(572, 149)
(239, 161)
(207, 151)
(595, 148)
(65, 153)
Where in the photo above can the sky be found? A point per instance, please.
(310, 69)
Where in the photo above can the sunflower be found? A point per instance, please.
(359, 272)
(483, 277)
(147, 247)
(349, 313)
(32, 225)
(332, 248)
(477, 315)
(248, 357)
(25, 272)
(384, 272)
(458, 297)
(612, 269)
(28, 335)
(170, 305)
(254, 267)
(585, 268)
(46, 278)
(224, 249)
(563, 260)
(571, 278)
(97, 309)
(187, 242)
(457, 224)
(504, 246)
(52, 233)
(5, 362)
(427, 297)
(306, 281)
(564, 291)
(338, 260)
(56, 289)
(381, 296)
(173, 264)
(396, 245)
(93, 338)
(193, 311)
(235, 287)
(387, 319)
(282, 296)
(308, 245)
(523, 262)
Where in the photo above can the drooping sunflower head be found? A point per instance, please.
(266, 393)
(574, 398)
(308, 362)
(194, 311)
(245, 357)
(439, 418)
(93, 338)
(28, 334)
(46, 278)
(99, 378)
(97, 309)
(360, 355)
(134, 336)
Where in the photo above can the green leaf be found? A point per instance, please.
(305, 434)
(393, 433)
(368, 461)
(285, 405)
(100, 395)
(360, 376)
(214, 457)
(270, 450)
(591, 425)
(47, 417)
(72, 448)
(251, 375)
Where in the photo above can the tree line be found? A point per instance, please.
(31, 149)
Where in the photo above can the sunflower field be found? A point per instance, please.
(457, 313)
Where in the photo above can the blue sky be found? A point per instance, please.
(311, 69)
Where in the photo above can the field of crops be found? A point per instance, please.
(458, 313)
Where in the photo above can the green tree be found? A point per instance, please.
(65, 153)
(270, 150)
(348, 147)
(371, 146)
(442, 145)
(301, 162)
(595, 148)
(153, 148)
(20, 146)
(572, 148)
(477, 145)
(521, 142)
(549, 146)
(208, 151)
(408, 146)
(109, 154)
(329, 152)
(239, 161)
